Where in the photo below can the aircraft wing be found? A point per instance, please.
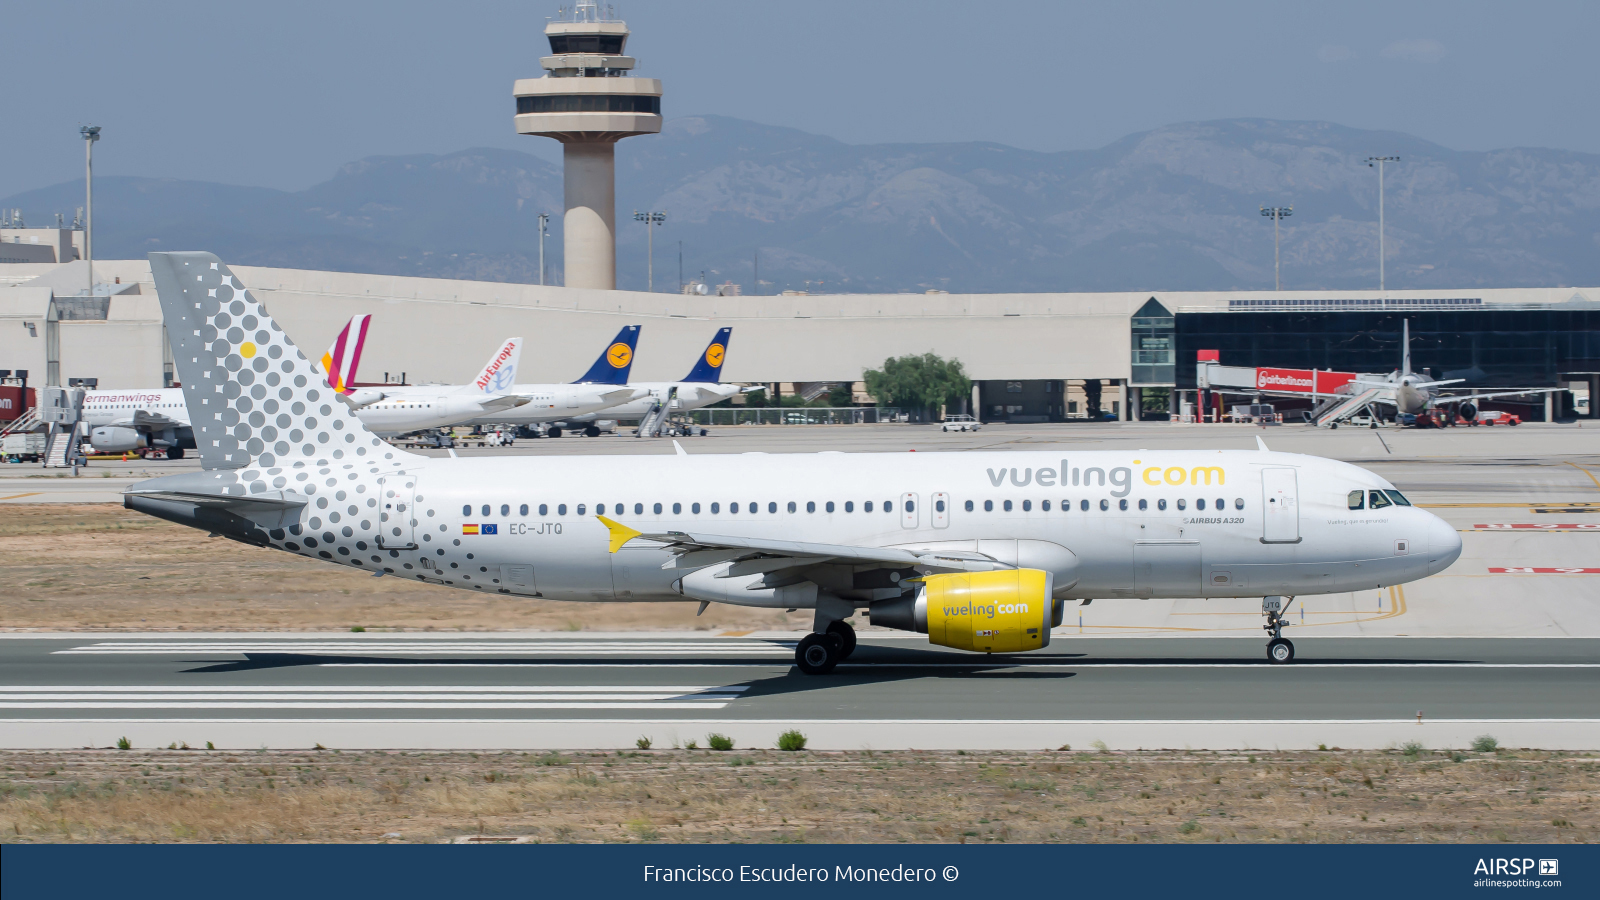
(501, 402)
(1459, 398)
(148, 421)
(754, 555)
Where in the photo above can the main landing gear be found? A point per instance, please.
(817, 654)
(1280, 650)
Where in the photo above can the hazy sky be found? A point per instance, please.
(279, 94)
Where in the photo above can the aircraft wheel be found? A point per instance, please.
(554, 432)
(175, 453)
(847, 637)
(591, 431)
(817, 654)
(1280, 651)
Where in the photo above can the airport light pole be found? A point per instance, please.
(544, 228)
(91, 133)
(650, 220)
(1278, 214)
(1378, 161)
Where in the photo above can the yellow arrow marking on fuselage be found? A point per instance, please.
(620, 533)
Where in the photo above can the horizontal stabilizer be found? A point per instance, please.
(269, 500)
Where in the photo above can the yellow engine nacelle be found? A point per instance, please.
(990, 612)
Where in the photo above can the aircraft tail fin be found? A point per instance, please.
(344, 356)
(1405, 343)
(256, 402)
(614, 364)
(708, 368)
(500, 372)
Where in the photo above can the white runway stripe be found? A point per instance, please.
(287, 689)
(414, 648)
(374, 697)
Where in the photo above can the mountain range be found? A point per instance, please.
(1175, 208)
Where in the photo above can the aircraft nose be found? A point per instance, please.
(1444, 544)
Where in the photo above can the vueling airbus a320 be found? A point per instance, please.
(980, 551)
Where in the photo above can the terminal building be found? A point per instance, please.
(1041, 357)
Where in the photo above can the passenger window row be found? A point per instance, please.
(1084, 505)
(619, 509)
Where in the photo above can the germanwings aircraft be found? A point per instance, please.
(701, 387)
(980, 551)
(138, 419)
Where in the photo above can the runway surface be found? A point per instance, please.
(496, 691)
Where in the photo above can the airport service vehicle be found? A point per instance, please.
(24, 446)
(980, 551)
(960, 423)
(1498, 417)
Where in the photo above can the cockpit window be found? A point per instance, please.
(1379, 501)
(1397, 498)
(1358, 499)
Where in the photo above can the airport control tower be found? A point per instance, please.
(588, 102)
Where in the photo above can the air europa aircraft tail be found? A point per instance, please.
(614, 364)
(344, 356)
(708, 368)
(500, 372)
(256, 402)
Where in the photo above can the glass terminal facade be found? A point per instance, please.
(1489, 347)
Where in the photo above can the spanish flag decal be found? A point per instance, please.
(469, 529)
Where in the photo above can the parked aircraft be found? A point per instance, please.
(491, 397)
(980, 551)
(701, 387)
(601, 389)
(1414, 395)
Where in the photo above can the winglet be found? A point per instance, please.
(1261, 445)
(679, 447)
(620, 533)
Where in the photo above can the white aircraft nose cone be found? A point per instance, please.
(1444, 544)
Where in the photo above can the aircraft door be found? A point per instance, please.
(940, 514)
(397, 521)
(1166, 569)
(908, 511)
(1280, 502)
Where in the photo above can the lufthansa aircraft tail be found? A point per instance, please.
(500, 372)
(256, 402)
(614, 364)
(344, 356)
(708, 368)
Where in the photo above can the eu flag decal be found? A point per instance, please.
(490, 529)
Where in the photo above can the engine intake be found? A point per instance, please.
(117, 439)
(1005, 611)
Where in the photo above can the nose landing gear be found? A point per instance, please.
(1280, 650)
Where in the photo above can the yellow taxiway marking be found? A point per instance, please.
(20, 496)
(1585, 471)
(1548, 505)
(734, 633)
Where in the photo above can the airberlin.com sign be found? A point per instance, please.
(1301, 380)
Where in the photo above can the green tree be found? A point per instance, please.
(920, 383)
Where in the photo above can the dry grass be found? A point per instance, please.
(770, 796)
(99, 567)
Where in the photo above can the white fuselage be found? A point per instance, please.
(120, 407)
(558, 402)
(691, 395)
(1271, 524)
